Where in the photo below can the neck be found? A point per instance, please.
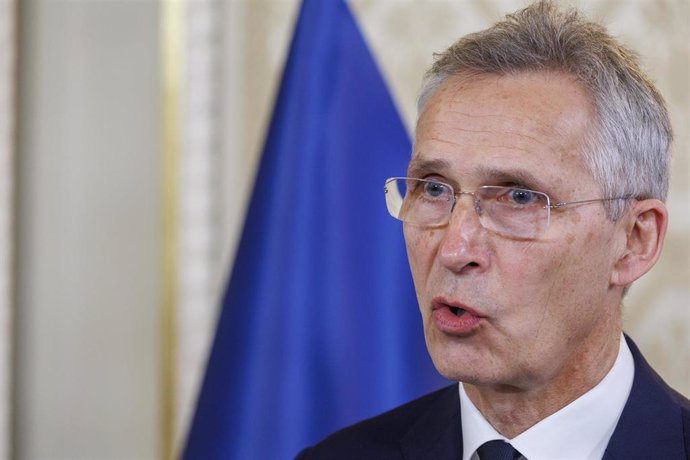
(512, 410)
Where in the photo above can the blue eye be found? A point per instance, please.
(434, 189)
(521, 196)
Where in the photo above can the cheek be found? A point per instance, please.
(583, 259)
(421, 249)
(564, 279)
(533, 277)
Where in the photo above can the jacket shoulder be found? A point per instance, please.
(684, 404)
(655, 422)
(378, 437)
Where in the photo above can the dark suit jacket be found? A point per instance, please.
(655, 424)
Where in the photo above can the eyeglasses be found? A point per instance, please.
(511, 211)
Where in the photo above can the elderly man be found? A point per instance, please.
(534, 199)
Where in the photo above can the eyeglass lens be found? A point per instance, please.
(509, 210)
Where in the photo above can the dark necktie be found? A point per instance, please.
(497, 450)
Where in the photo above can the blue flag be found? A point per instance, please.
(319, 326)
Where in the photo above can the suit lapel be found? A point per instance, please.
(651, 423)
(438, 433)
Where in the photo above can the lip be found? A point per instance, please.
(446, 321)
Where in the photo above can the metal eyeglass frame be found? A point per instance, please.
(477, 201)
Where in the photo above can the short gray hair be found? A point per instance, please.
(627, 151)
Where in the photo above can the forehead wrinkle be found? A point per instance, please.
(437, 140)
(508, 147)
(540, 129)
(512, 133)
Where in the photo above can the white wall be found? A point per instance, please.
(88, 255)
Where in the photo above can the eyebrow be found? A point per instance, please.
(521, 177)
(419, 167)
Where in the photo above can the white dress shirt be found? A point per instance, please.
(579, 431)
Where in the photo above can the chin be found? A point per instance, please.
(456, 363)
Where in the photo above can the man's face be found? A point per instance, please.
(534, 310)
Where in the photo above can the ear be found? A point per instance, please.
(645, 230)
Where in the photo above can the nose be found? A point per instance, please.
(463, 247)
(475, 200)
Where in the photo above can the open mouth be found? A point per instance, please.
(457, 311)
(455, 318)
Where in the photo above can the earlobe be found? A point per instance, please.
(645, 231)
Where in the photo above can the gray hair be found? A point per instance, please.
(627, 151)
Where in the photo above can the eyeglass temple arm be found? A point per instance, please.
(563, 204)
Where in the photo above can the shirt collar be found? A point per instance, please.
(582, 428)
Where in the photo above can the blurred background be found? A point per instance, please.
(129, 136)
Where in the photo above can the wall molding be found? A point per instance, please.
(8, 44)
